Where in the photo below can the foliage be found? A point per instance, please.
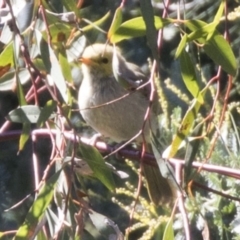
(79, 195)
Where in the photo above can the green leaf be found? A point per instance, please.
(64, 64)
(184, 129)
(40, 64)
(181, 45)
(16, 50)
(219, 13)
(202, 33)
(194, 25)
(8, 80)
(24, 135)
(151, 32)
(44, 51)
(38, 209)
(136, 28)
(96, 162)
(57, 76)
(216, 47)
(217, 18)
(219, 50)
(46, 112)
(6, 56)
(95, 24)
(25, 114)
(191, 151)
(116, 22)
(169, 233)
(189, 76)
(20, 92)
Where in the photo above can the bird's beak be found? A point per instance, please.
(86, 61)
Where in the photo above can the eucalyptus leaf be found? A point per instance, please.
(38, 209)
(219, 50)
(57, 76)
(191, 151)
(65, 17)
(96, 162)
(116, 22)
(184, 130)
(64, 64)
(151, 32)
(24, 135)
(43, 50)
(189, 76)
(181, 45)
(20, 92)
(168, 232)
(8, 80)
(136, 28)
(25, 114)
(6, 55)
(216, 47)
(6, 34)
(46, 112)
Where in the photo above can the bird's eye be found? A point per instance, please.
(104, 60)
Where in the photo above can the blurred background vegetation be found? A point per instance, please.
(39, 68)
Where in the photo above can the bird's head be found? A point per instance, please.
(97, 59)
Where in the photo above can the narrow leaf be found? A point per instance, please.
(6, 56)
(8, 80)
(116, 22)
(38, 209)
(184, 130)
(25, 114)
(95, 24)
(24, 135)
(219, 50)
(96, 162)
(202, 33)
(216, 47)
(189, 76)
(46, 112)
(20, 92)
(169, 233)
(219, 12)
(136, 28)
(191, 151)
(151, 32)
(43, 50)
(57, 76)
(217, 18)
(64, 64)
(181, 45)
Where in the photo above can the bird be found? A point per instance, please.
(111, 104)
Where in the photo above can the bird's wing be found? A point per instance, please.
(128, 75)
